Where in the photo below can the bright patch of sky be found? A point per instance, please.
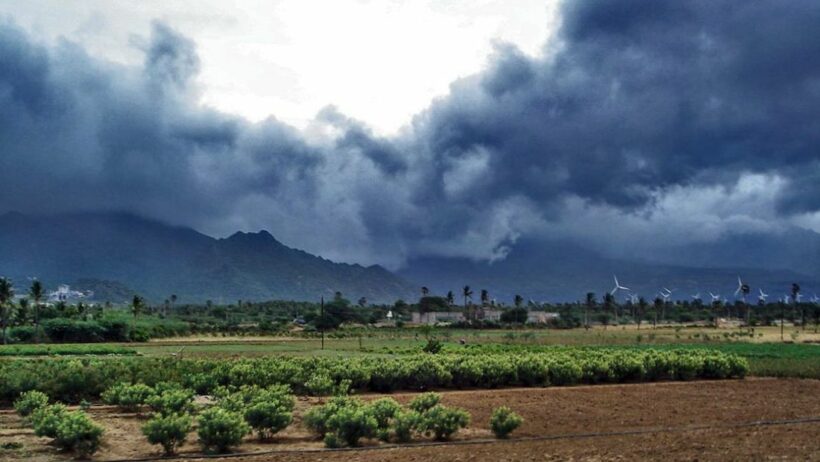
(377, 61)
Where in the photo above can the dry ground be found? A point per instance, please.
(668, 421)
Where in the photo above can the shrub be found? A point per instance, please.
(442, 422)
(425, 401)
(432, 346)
(268, 418)
(503, 421)
(46, 419)
(316, 418)
(167, 430)
(383, 410)
(29, 402)
(171, 401)
(127, 396)
(320, 385)
(220, 429)
(76, 432)
(350, 424)
(404, 423)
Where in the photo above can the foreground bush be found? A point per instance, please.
(268, 418)
(350, 424)
(503, 421)
(77, 432)
(442, 422)
(29, 402)
(46, 419)
(169, 431)
(384, 411)
(425, 401)
(316, 418)
(219, 429)
(404, 424)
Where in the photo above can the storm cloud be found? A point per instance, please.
(645, 115)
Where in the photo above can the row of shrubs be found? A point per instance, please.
(75, 379)
(107, 329)
(79, 349)
(342, 421)
(70, 430)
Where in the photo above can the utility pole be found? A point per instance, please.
(322, 321)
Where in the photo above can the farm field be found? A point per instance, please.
(704, 420)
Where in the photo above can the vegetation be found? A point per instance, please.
(73, 380)
(503, 421)
(70, 430)
(169, 430)
(29, 402)
(220, 429)
(442, 422)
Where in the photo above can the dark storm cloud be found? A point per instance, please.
(631, 100)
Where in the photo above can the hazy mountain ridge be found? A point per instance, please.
(158, 260)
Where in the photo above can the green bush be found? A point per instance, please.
(77, 432)
(442, 422)
(316, 418)
(127, 396)
(268, 418)
(404, 423)
(503, 421)
(171, 401)
(320, 385)
(46, 419)
(29, 402)
(219, 429)
(350, 424)
(425, 401)
(167, 430)
(383, 410)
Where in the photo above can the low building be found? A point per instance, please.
(435, 317)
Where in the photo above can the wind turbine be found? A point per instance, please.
(715, 297)
(763, 295)
(618, 286)
(742, 289)
(815, 299)
(696, 296)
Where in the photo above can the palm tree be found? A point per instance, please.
(518, 300)
(36, 292)
(6, 294)
(468, 295)
(362, 302)
(451, 299)
(425, 291)
(137, 305)
(485, 297)
(589, 305)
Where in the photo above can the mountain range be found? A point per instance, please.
(118, 254)
(156, 260)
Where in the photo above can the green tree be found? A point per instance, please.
(642, 305)
(518, 301)
(36, 292)
(609, 304)
(137, 305)
(6, 294)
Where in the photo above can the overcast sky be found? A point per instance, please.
(372, 132)
(377, 61)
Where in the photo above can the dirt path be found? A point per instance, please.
(669, 421)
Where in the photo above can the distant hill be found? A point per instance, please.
(561, 271)
(114, 251)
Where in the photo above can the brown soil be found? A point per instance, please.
(671, 421)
